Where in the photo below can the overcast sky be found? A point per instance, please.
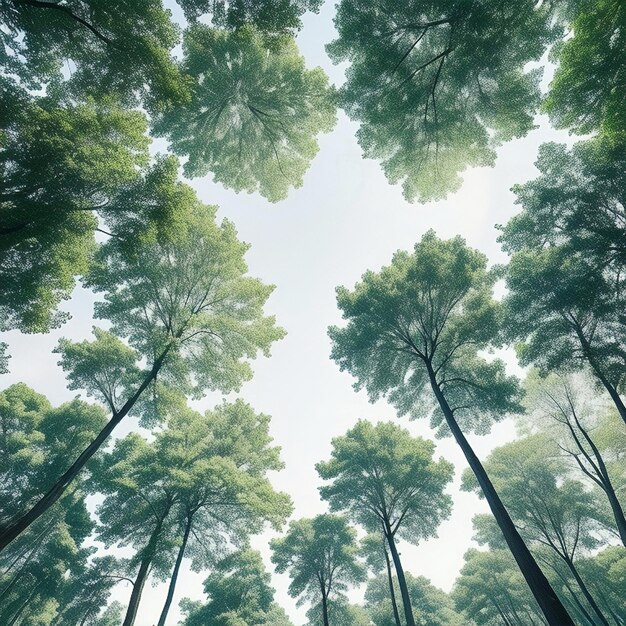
(345, 220)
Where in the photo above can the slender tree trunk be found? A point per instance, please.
(578, 604)
(142, 574)
(544, 594)
(404, 592)
(583, 587)
(392, 591)
(174, 578)
(325, 607)
(7, 535)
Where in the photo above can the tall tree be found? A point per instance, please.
(567, 411)
(320, 555)
(187, 307)
(431, 605)
(549, 510)
(414, 333)
(239, 592)
(565, 278)
(137, 510)
(254, 114)
(489, 590)
(374, 550)
(437, 85)
(388, 481)
(219, 463)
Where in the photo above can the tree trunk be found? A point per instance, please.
(544, 594)
(583, 587)
(404, 592)
(392, 591)
(603, 478)
(56, 491)
(174, 578)
(324, 608)
(142, 574)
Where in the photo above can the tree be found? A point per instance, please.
(211, 492)
(339, 612)
(436, 86)
(432, 606)
(254, 114)
(219, 464)
(490, 591)
(36, 440)
(239, 592)
(320, 556)
(550, 511)
(585, 92)
(374, 550)
(388, 481)
(565, 278)
(186, 307)
(416, 330)
(61, 164)
(562, 408)
(87, 591)
(136, 510)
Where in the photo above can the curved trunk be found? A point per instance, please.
(404, 591)
(142, 574)
(56, 491)
(544, 594)
(174, 578)
(392, 591)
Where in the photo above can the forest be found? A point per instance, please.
(143, 144)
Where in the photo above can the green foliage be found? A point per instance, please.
(384, 478)
(429, 314)
(490, 588)
(431, 606)
(586, 94)
(113, 46)
(105, 368)
(254, 114)
(565, 278)
(46, 573)
(202, 478)
(239, 593)
(271, 17)
(187, 299)
(36, 441)
(61, 164)
(547, 506)
(311, 550)
(437, 85)
(340, 613)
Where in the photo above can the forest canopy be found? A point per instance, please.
(178, 190)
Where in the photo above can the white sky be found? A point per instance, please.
(344, 220)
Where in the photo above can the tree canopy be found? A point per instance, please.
(254, 113)
(437, 85)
